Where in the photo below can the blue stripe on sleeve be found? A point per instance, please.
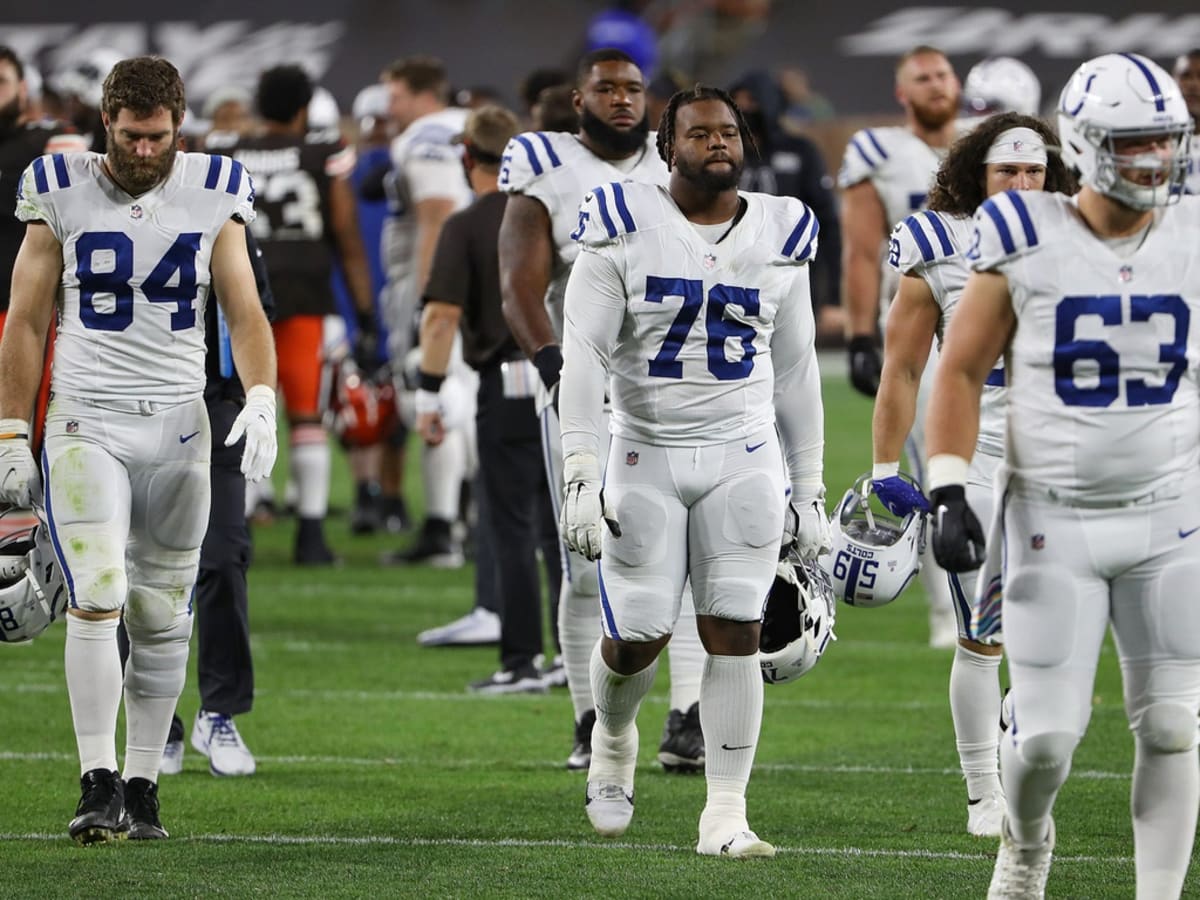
(555, 162)
(1023, 215)
(807, 251)
(39, 176)
(60, 170)
(602, 202)
(235, 177)
(874, 143)
(797, 232)
(214, 172)
(871, 164)
(914, 228)
(623, 208)
(533, 160)
(997, 218)
(940, 231)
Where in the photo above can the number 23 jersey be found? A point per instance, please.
(1103, 390)
(135, 273)
(694, 333)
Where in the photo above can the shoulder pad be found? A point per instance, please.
(918, 240)
(864, 154)
(799, 228)
(41, 178)
(527, 158)
(222, 173)
(1004, 229)
(607, 213)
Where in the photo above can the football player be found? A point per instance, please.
(1091, 299)
(690, 306)
(547, 175)
(126, 246)
(886, 175)
(425, 186)
(307, 214)
(928, 249)
(1187, 75)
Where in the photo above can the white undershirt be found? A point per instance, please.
(712, 233)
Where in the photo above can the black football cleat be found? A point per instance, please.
(141, 811)
(682, 747)
(100, 815)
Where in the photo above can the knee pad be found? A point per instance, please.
(152, 610)
(1048, 750)
(180, 498)
(644, 516)
(1166, 728)
(753, 511)
(104, 590)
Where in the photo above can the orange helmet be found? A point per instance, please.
(362, 410)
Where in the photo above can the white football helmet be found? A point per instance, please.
(32, 591)
(84, 78)
(1123, 95)
(875, 554)
(797, 621)
(1002, 84)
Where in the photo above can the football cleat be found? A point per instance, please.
(739, 845)
(172, 758)
(522, 680)
(581, 753)
(479, 626)
(985, 814)
(609, 807)
(141, 811)
(100, 815)
(682, 747)
(215, 736)
(554, 674)
(1021, 874)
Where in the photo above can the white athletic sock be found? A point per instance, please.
(615, 736)
(975, 709)
(731, 703)
(685, 655)
(1165, 797)
(309, 457)
(93, 669)
(154, 677)
(578, 633)
(442, 471)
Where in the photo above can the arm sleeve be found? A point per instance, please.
(799, 410)
(450, 273)
(594, 311)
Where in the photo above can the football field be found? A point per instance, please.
(379, 776)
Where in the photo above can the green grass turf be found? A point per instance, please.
(380, 777)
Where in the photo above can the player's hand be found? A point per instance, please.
(958, 542)
(256, 422)
(366, 345)
(899, 496)
(429, 417)
(865, 364)
(20, 480)
(584, 507)
(806, 529)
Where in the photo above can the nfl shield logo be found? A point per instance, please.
(1038, 542)
(72, 427)
(709, 260)
(631, 458)
(1125, 274)
(135, 212)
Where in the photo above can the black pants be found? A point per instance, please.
(518, 513)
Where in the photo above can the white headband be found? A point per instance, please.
(1017, 145)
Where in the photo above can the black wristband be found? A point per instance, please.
(548, 361)
(860, 343)
(947, 493)
(365, 321)
(429, 382)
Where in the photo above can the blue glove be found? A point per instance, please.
(900, 496)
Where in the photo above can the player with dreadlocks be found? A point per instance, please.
(690, 303)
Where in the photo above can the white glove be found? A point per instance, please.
(20, 480)
(257, 422)
(806, 527)
(584, 506)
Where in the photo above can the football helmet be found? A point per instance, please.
(798, 619)
(84, 79)
(1123, 95)
(875, 554)
(1002, 84)
(361, 409)
(32, 591)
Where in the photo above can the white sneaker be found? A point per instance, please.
(554, 673)
(217, 737)
(739, 845)
(985, 814)
(609, 807)
(1021, 874)
(479, 626)
(172, 759)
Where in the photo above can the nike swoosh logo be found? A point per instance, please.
(184, 438)
(750, 449)
(747, 747)
(1187, 534)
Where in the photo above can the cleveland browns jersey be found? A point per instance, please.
(135, 271)
(292, 174)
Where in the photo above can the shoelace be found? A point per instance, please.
(1023, 877)
(223, 732)
(610, 792)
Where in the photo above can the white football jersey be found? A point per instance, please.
(933, 246)
(1103, 386)
(135, 270)
(1193, 177)
(558, 170)
(698, 338)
